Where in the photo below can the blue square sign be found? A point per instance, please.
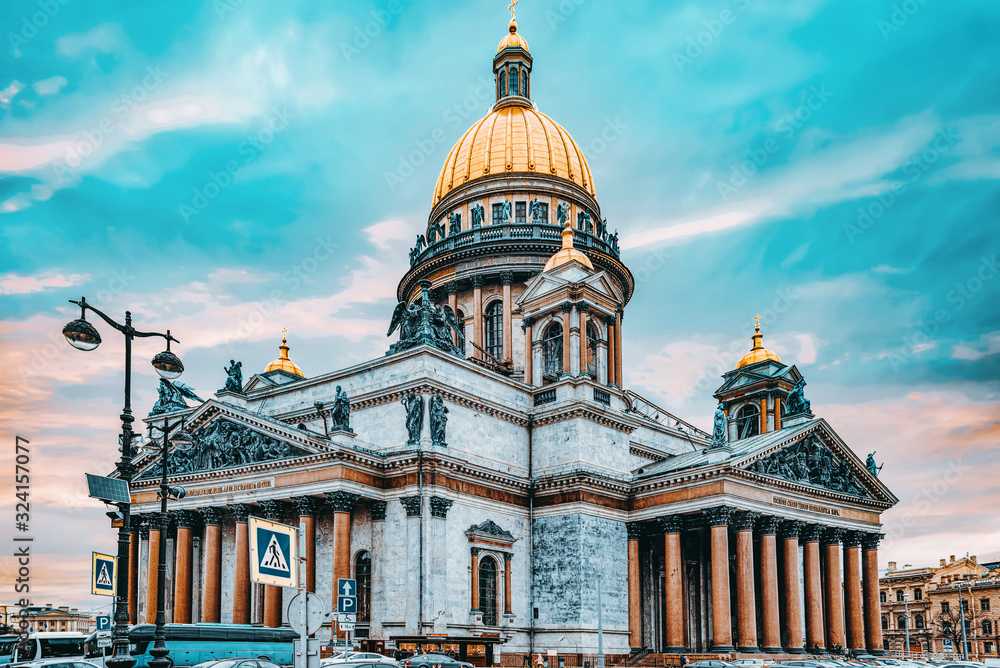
(273, 558)
(347, 604)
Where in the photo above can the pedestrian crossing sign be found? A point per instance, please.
(273, 553)
(102, 575)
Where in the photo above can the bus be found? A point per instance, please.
(190, 644)
(48, 645)
(7, 648)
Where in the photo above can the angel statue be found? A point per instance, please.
(562, 211)
(405, 316)
(720, 431)
(424, 323)
(797, 402)
(505, 212)
(234, 377)
(538, 215)
(454, 223)
(172, 395)
(478, 215)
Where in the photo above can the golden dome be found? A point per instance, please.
(513, 40)
(514, 138)
(283, 363)
(758, 353)
(567, 253)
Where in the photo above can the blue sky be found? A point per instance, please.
(227, 169)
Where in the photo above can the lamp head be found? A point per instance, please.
(81, 335)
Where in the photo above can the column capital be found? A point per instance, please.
(273, 509)
(308, 506)
(744, 520)
(506, 277)
(378, 510)
(342, 502)
(412, 505)
(440, 506)
(212, 516)
(242, 511)
(768, 524)
(143, 530)
(609, 321)
(634, 530)
(474, 551)
(451, 288)
(477, 282)
(187, 519)
(527, 321)
(790, 529)
(154, 522)
(870, 541)
(853, 538)
(566, 307)
(811, 533)
(670, 523)
(718, 516)
(508, 557)
(832, 536)
(582, 307)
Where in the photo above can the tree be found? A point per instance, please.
(949, 625)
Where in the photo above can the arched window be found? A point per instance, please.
(493, 332)
(363, 579)
(488, 572)
(748, 421)
(552, 350)
(900, 595)
(918, 621)
(987, 627)
(881, 597)
(460, 317)
(885, 623)
(592, 339)
(513, 81)
(901, 622)
(918, 594)
(524, 83)
(503, 83)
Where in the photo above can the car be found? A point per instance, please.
(357, 657)
(710, 663)
(438, 660)
(236, 662)
(59, 663)
(752, 663)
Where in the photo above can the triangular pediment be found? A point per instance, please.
(759, 373)
(226, 437)
(816, 456)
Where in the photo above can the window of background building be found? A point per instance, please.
(945, 607)
(985, 604)
(965, 606)
(885, 623)
(918, 621)
(363, 577)
(900, 595)
(493, 329)
(881, 597)
(748, 421)
(488, 590)
(987, 627)
(918, 594)
(552, 350)
(901, 622)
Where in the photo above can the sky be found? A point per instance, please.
(225, 169)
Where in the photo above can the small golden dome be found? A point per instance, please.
(513, 40)
(567, 253)
(283, 363)
(758, 353)
(514, 138)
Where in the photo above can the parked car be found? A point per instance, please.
(710, 663)
(426, 660)
(61, 663)
(357, 657)
(753, 663)
(237, 662)
(7, 648)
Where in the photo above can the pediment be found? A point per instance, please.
(226, 437)
(757, 374)
(819, 458)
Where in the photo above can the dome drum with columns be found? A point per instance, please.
(476, 478)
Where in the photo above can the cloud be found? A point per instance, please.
(9, 93)
(15, 284)
(49, 86)
(987, 346)
(103, 38)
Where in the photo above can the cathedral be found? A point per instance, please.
(491, 473)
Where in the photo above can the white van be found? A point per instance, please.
(48, 645)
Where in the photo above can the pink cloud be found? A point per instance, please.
(15, 284)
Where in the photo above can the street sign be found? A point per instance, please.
(103, 643)
(273, 553)
(103, 622)
(347, 604)
(345, 626)
(347, 587)
(102, 576)
(315, 613)
(346, 617)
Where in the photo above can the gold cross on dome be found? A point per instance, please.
(283, 331)
(511, 8)
(757, 319)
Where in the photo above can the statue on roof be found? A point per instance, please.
(537, 216)
(505, 214)
(234, 377)
(873, 468)
(423, 322)
(797, 402)
(477, 215)
(414, 405)
(340, 414)
(171, 397)
(720, 431)
(583, 222)
(439, 419)
(562, 212)
(454, 223)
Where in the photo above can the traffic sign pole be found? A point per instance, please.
(302, 657)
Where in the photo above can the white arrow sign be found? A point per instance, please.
(346, 587)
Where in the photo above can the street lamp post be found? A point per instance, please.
(182, 440)
(83, 336)
(906, 619)
(961, 610)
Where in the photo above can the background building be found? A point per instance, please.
(936, 598)
(49, 618)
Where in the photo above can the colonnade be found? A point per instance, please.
(840, 612)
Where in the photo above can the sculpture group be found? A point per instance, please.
(413, 404)
(423, 322)
(171, 397)
(811, 462)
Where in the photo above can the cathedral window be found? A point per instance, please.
(552, 350)
(493, 329)
(524, 82)
(520, 212)
(498, 214)
(513, 81)
(748, 421)
(488, 573)
(503, 83)
(460, 317)
(592, 339)
(363, 576)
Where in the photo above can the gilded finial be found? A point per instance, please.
(284, 339)
(757, 319)
(511, 8)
